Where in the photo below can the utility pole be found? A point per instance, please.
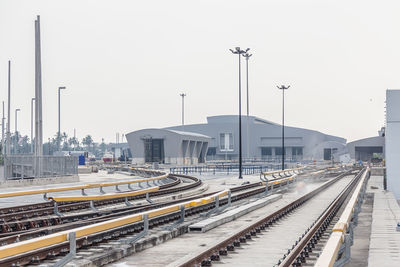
(247, 56)
(283, 88)
(3, 120)
(59, 118)
(16, 130)
(6, 168)
(183, 110)
(239, 52)
(8, 149)
(33, 99)
(38, 101)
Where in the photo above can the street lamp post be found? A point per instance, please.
(183, 110)
(59, 118)
(16, 130)
(239, 52)
(283, 88)
(33, 99)
(247, 56)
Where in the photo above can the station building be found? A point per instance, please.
(218, 139)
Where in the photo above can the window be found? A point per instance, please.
(226, 142)
(278, 151)
(266, 151)
(211, 151)
(297, 151)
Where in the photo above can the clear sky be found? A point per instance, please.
(124, 63)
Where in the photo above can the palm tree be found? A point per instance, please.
(88, 141)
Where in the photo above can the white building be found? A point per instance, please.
(392, 136)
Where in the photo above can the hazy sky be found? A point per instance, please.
(124, 63)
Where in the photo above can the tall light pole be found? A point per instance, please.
(239, 52)
(3, 121)
(59, 118)
(33, 99)
(8, 138)
(247, 56)
(183, 110)
(16, 130)
(283, 88)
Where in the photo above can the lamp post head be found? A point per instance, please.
(17, 109)
(247, 55)
(61, 87)
(283, 87)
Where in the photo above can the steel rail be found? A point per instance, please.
(228, 244)
(298, 254)
(51, 251)
(21, 230)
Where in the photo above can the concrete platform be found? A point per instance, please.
(210, 223)
(384, 247)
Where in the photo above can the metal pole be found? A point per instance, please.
(59, 118)
(8, 108)
(183, 110)
(2, 133)
(247, 56)
(38, 102)
(240, 123)
(33, 99)
(16, 130)
(240, 52)
(283, 88)
(283, 129)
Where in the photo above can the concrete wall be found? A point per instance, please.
(393, 141)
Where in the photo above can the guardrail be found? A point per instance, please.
(83, 187)
(53, 239)
(105, 196)
(223, 168)
(280, 173)
(70, 236)
(341, 238)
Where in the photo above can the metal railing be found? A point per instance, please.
(29, 166)
(222, 168)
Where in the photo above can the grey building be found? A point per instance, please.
(261, 140)
(167, 146)
(367, 149)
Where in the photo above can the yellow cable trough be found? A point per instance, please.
(105, 196)
(285, 170)
(331, 249)
(87, 186)
(53, 239)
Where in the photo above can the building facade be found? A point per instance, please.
(261, 140)
(392, 136)
(167, 146)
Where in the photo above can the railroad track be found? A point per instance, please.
(296, 253)
(35, 257)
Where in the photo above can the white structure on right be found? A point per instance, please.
(392, 137)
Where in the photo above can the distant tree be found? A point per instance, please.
(87, 141)
(73, 142)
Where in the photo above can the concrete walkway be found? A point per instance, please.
(384, 248)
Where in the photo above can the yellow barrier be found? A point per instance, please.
(53, 239)
(105, 196)
(79, 187)
(283, 171)
(331, 249)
